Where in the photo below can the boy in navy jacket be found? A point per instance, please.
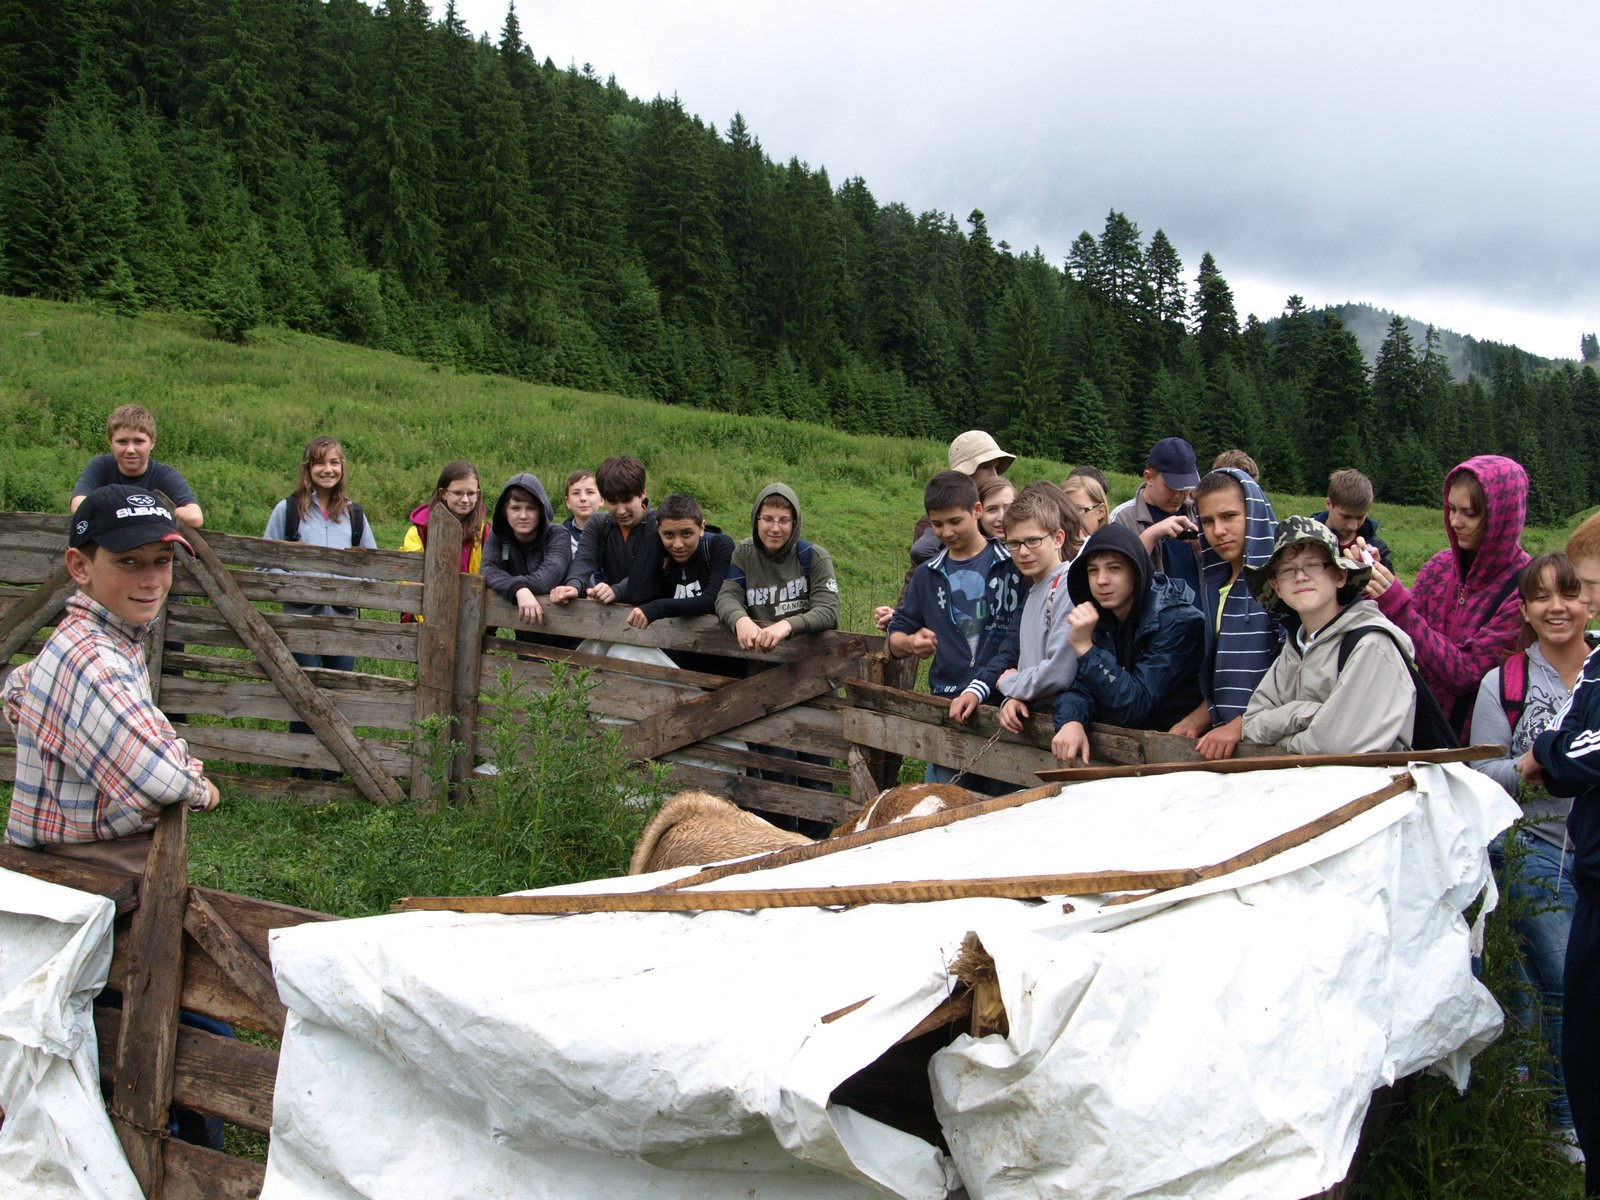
(684, 575)
(961, 604)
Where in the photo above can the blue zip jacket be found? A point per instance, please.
(1142, 673)
(955, 666)
(1569, 752)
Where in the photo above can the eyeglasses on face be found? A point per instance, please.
(1086, 508)
(1032, 543)
(462, 497)
(1310, 570)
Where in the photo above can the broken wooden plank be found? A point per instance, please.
(737, 703)
(246, 969)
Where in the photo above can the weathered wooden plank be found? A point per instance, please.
(329, 725)
(273, 748)
(238, 700)
(328, 680)
(252, 553)
(468, 671)
(278, 787)
(263, 586)
(254, 919)
(949, 746)
(499, 651)
(21, 565)
(436, 641)
(221, 1076)
(150, 996)
(863, 787)
(247, 970)
(43, 607)
(766, 762)
(122, 890)
(204, 625)
(765, 794)
(735, 703)
(196, 1173)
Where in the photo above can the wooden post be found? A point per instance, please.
(468, 674)
(437, 639)
(325, 720)
(148, 1047)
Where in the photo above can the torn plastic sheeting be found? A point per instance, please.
(55, 949)
(620, 1054)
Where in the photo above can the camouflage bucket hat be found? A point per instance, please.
(1304, 531)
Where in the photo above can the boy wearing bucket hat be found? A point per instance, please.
(96, 759)
(1309, 702)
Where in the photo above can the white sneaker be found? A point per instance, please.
(1566, 1145)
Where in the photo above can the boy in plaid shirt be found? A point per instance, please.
(96, 759)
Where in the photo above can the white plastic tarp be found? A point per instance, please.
(1217, 1041)
(55, 950)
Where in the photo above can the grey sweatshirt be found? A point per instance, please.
(1547, 695)
(1046, 664)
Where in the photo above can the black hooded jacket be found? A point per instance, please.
(539, 564)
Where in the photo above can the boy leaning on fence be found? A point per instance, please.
(96, 759)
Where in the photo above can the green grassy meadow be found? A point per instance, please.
(234, 419)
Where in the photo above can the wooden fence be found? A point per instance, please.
(222, 666)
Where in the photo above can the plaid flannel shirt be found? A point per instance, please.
(96, 759)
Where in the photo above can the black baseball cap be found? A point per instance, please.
(1173, 459)
(119, 517)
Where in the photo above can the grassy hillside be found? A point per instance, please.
(234, 419)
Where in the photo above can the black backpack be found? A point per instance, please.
(291, 521)
(1430, 728)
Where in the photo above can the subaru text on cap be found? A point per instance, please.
(973, 448)
(1173, 459)
(119, 517)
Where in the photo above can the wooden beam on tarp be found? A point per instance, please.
(744, 700)
(153, 984)
(25, 618)
(326, 721)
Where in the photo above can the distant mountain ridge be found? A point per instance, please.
(1466, 355)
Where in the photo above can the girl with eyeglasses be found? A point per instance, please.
(458, 487)
(1309, 701)
(1089, 499)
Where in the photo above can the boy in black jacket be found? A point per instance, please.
(612, 539)
(682, 577)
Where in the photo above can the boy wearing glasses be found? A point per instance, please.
(960, 605)
(1310, 702)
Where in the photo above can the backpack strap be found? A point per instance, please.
(358, 522)
(802, 549)
(291, 520)
(1501, 597)
(1431, 727)
(1514, 686)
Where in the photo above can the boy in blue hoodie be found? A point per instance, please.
(1237, 530)
(1139, 641)
(962, 603)
(1566, 759)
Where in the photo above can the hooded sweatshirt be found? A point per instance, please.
(663, 587)
(1307, 705)
(1142, 672)
(539, 564)
(1244, 642)
(416, 539)
(1044, 661)
(796, 584)
(1450, 613)
(959, 663)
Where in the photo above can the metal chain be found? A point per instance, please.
(982, 750)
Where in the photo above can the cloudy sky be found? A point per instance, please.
(1434, 159)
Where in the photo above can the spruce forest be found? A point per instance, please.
(380, 177)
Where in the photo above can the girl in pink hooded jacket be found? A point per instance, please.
(1462, 613)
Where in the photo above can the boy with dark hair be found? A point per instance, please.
(1162, 515)
(1348, 512)
(1138, 638)
(961, 604)
(526, 554)
(778, 583)
(96, 759)
(683, 578)
(1566, 759)
(1237, 530)
(132, 432)
(612, 539)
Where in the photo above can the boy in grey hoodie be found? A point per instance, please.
(778, 583)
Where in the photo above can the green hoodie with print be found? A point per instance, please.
(796, 584)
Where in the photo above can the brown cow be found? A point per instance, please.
(907, 800)
(694, 828)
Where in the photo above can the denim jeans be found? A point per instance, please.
(332, 662)
(1544, 893)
